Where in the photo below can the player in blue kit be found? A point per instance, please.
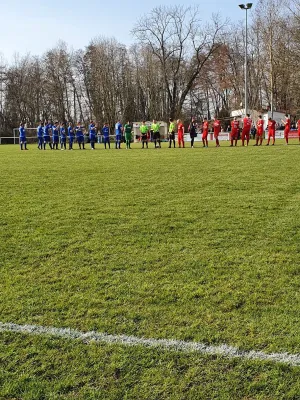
(79, 135)
(63, 136)
(92, 134)
(40, 135)
(55, 136)
(22, 137)
(105, 133)
(71, 135)
(118, 131)
(47, 129)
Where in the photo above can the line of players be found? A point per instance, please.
(57, 133)
(235, 129)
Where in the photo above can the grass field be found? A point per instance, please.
(192, 244)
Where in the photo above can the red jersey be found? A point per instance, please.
(260, 125)
(205, 126)
(271, 126)
(217, 127)
(235, 125)
(247, 123)
(180, 129)
(287, 125)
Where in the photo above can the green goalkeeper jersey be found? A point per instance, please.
(127, 130)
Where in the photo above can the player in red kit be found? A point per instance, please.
(205, 132)
(235, 126)
(287, 128)
(298, 127)
(247, 123)
(259, 131)
(217, 130)
(271, 131)
(180, 133)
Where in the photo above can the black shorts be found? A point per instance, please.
(144, 138)
(171, 135)
(156, 135)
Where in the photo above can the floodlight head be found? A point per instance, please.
(249, 5)
(242, 6)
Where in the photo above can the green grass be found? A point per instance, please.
(194, 244)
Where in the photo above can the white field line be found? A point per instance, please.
(175, 345)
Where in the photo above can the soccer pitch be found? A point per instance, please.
(198, 245)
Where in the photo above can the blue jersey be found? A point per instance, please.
(62, 133)
(22, 132)
(92, 131)
(40, 131)
(118, 128)
(55, 131)
(70, 132)
(105, 131)
(46, 130)
(79, 131)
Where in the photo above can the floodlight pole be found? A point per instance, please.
(246, 7)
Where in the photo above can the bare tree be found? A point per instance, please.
(182, 45)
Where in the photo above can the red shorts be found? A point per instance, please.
(204, 135)
(286, 133)
(216, 135)
(245, 132)
(180, 137)
(271, 134)
(233, 135)
(260, 133)
(299, 133)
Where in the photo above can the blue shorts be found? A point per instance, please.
(80, 139)
(63, 139)
(22, 139)
(55, 139)
(118, 138)
(106, 139)
(46, 139)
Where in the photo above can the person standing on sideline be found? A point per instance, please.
(271, 131)
(171, 133)
(40, 135)
(71, 135)
(287, 128)
(105, 133)
(128, 134)
(79, 135)
(247, 123)
(205, 132)
(155, 127)
(217, 130)
(92, 135)
(259, 131)
(180, 133)
(22, 137)
(235, 126)
(144, 133)
(193, 131)
(47, 129)
(63, 136)
(118, 132)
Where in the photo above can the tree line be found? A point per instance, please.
(178, 67)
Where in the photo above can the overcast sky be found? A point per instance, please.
(34, 26)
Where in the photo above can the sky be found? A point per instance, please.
(35, 26)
